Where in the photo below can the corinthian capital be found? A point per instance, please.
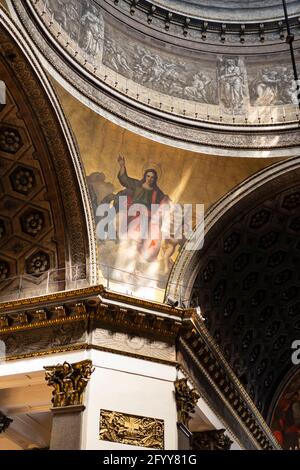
(186, 400)
(69, 382)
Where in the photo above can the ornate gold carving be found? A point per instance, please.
(90, 292)
(132, 430)
(211, 440)
(134, 320)
(56, 297)
(69, 382)
(186, 400)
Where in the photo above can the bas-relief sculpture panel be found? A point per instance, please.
(136, 345)
(159, 71)
(229, 82)
(82, 21)
(234, 84)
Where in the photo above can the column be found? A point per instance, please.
(186, 400)
(69, 382)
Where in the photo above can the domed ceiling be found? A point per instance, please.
(232, 10)
(248, 289)
(146, 67)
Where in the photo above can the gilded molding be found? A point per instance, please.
(46, 299)
(131, 429)
(92, 291)
(186, 400)
(135, 320)
(220, 376)
(69, 382)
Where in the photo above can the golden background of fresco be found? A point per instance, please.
(186, 176)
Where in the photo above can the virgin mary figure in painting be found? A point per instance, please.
(146, 193)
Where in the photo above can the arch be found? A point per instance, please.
(245, 279)
(255, 188)
(47, 154)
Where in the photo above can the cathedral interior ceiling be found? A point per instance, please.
(248, 287)
(186, 177)
(231, 10)
(34, 238)
(245, 87)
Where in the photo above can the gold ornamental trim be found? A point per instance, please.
(131, 429)
(57, 296)
(89, 292)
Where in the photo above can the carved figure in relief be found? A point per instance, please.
(116, 57)
(273, 86)
(72, 19)
(199, 88)
(94, 31)
(267, 87)
(232, 84)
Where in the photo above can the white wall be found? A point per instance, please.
(133, 386)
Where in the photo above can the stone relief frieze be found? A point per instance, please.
(136, 345)
(42, 339)
(161, 72)
(273, 86)
(233, 85)
(149, 122)
(230, 85)
(225, 82)
(82, 21)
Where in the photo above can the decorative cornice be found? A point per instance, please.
(153, 321)
(164, 18)
(207, 355)
(97, 292)
(137, 321)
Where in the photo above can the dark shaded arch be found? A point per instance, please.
(44, 208)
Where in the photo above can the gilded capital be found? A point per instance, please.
(69, 382)
(186, 400)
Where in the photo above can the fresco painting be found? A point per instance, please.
(285, 423)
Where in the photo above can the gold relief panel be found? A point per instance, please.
(131, 429)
